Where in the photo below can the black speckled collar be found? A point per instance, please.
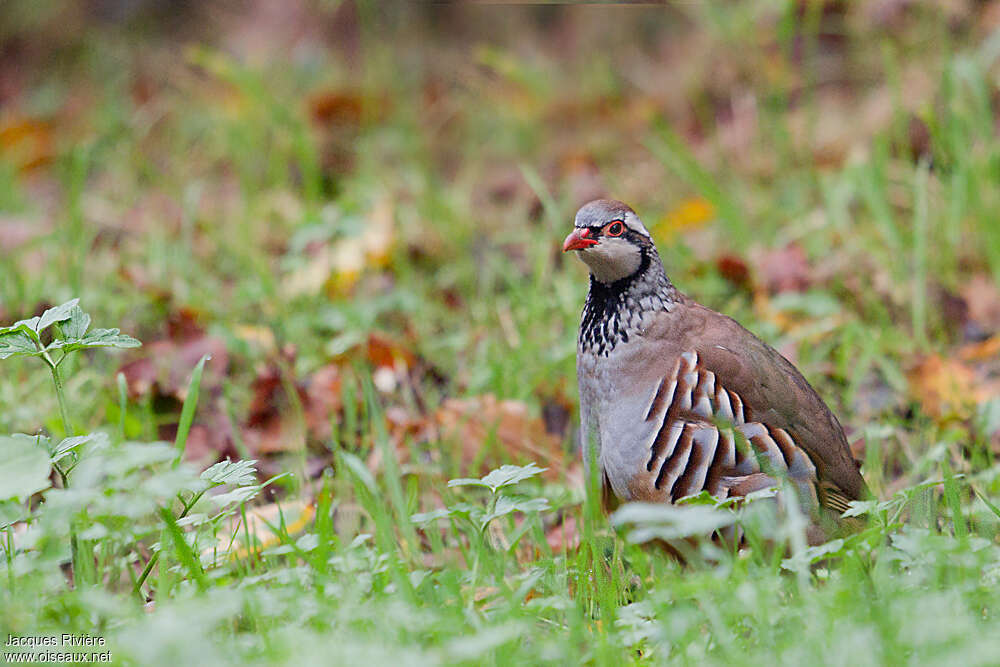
(614, 311)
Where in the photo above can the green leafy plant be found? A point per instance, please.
(122, 493)
(498, 505)
(70, 327)
(71, 333)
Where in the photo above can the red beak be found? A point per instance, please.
(578, 240)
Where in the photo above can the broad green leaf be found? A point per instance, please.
(77, 324)
(506, 505)
(16, 343)
(67, 445)
(25, 470)
(307, 542)
(58, 314)
(802, 561)
(701, 498)
(652, 521)
(237, 473)
(238, 495)
(22, 326)
(11, 512)
(466, 481)
(506, 475)
(859, 507)
(96, 338)
(27, 326)
(109, 338)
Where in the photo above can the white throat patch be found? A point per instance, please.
(612, 259)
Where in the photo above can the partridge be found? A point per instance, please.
(676, 398)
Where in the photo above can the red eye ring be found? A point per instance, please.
(615, 228)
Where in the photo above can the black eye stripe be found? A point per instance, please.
(599, 231)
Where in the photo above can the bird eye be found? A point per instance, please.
(616, 228)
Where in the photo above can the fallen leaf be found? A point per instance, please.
(323, 400)
(689, 214)
(166, 365)
(735, 270)
(27, 142)
(232, 536)
(163, 373)
(522, 438)
(384, 352)
(945, 387)
(783, 269)
(272, 423)
(336, 107)
(987, 350)
(470, 424)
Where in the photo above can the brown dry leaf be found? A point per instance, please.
(27, 142)
(336, 107)
(393, 362)
(557, 413)
(382, 351)
(735, 270)
(166, 365)
(472, 421)
(469, 424)
(164, 371)
(323, 400)
(945, 387)
(336, 267)
(274, 422)
(784, 269)
(271, 425)
(987, 350)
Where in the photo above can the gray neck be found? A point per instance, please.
(614, 311)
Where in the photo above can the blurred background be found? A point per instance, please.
(340, 197)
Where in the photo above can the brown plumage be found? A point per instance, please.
(677, 398)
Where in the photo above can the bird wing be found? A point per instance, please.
(775, 394)
(698, 402)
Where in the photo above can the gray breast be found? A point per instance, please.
(667, 436)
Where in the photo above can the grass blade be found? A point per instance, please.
(184, 552)
(187, 412)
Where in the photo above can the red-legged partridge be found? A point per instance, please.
(667, 385)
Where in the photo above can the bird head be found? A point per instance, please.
(610, 239)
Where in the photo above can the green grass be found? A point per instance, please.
(212, 193)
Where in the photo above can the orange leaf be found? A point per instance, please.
(689, 214)
(944, 387)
